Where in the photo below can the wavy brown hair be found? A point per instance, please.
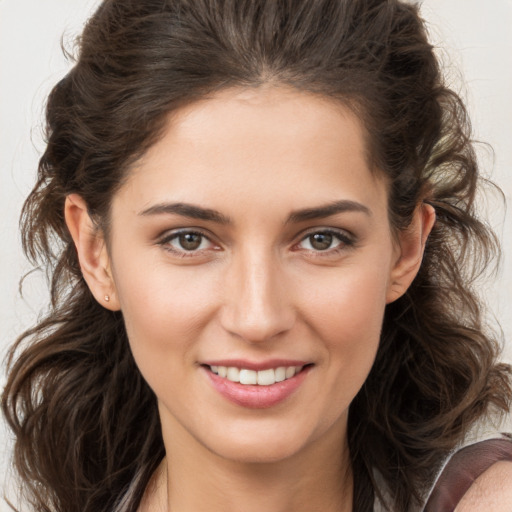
(86, 424)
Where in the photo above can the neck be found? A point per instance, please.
(193, 479)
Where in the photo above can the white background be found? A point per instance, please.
(474, 39)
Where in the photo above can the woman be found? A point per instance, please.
(259, 221)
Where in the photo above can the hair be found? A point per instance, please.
(86, 423)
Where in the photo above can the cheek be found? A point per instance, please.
(346, 312)
(164, 309)
(348, 302)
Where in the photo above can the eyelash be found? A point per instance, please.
(345, 241)
(165, 242)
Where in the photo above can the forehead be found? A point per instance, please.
(255, 142)
(282, 114)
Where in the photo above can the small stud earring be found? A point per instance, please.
(107, 298)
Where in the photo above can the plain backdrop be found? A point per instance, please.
(473, 39)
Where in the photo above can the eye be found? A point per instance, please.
(324, 241)
(185, 242)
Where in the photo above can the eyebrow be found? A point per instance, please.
(187, 210)
(198, 212)
(328, 210)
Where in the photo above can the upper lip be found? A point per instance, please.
(255, 365)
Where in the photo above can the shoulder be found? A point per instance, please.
(492, 490)
(477, 477)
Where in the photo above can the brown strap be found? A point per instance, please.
(463, 469)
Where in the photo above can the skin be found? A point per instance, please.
(256, 289)
(491, 491)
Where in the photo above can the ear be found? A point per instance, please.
(411, 248)
(92, 252)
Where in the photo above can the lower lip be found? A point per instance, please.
(257, 397)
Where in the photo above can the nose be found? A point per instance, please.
(257, 305)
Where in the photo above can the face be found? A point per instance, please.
(252, 243)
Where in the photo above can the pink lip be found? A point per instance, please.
(254, 365)
(256, 397)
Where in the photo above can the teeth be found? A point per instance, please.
(251, 377)
(233, 374)
(280, 374)
(248, 377)
(266, 377)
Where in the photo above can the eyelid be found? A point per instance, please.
(347, 239)
(164, 239)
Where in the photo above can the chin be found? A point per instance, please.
(258, 452)
(266, 441)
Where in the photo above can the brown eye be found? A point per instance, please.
(187, 242)
(327, 241)
(190, 241)
(321, 241)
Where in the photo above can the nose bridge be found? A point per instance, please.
(257, 305)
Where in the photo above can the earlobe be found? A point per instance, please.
(412, 243)
(92, 252)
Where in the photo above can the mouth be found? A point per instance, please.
(249, 377)
(256, 385)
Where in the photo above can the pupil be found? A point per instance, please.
(321, 241)
(190, 241)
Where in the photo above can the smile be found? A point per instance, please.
(256, 385)
(266, 377)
